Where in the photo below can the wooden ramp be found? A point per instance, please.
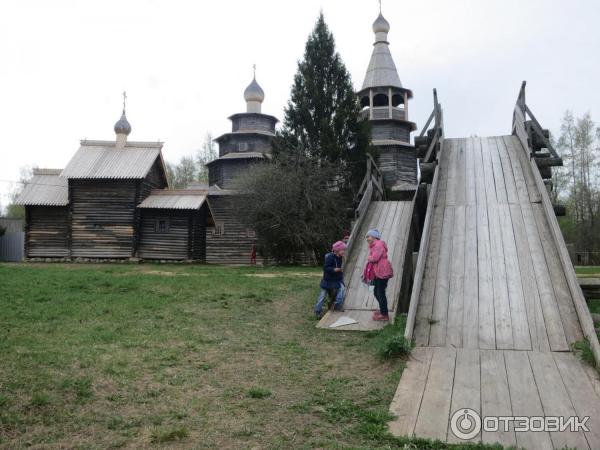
(494, 311)
(393, 219)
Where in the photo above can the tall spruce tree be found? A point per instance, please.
(322, 118)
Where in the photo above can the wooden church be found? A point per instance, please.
(112, 200)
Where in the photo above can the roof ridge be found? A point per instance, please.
(138, 144)
(44, 171)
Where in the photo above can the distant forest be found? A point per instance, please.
(577, 185)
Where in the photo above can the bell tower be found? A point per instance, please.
(384, 103)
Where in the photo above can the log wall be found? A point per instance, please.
(386, 130)
(46, 232)
(171, 244)
(234, 246)
(250, 143)
(224, 173)
(398, 164)
(102, 218)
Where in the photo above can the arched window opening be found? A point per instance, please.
(380, 100)
(397, 100)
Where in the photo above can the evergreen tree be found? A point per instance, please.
(322, 118)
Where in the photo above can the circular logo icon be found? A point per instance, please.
(465, 424)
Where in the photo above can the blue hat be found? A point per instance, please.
(374, 233)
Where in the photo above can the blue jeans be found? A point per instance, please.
(339, 298)
(380, 287)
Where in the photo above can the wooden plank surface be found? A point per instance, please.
(518, 314)
(533, 305)
(551, 313)
(563, 297)
(407, 400)
(525, 399)
(435, 405)
(466, 391)
(495, 395)
(439, 316)
(555, 398)
(502, 318)
(582, 394)
(393, 219)
(470, 328)
(454, 329)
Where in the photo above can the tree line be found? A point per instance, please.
(577, 184)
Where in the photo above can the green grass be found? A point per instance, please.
(587, 271)
(259, 393)
(584, 350)
(182, 356)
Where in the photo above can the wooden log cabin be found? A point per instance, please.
(111, 202)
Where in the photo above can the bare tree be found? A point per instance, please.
(13, 210)
(206, 154)
(183, 173)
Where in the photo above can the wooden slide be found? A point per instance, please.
(393, 219)
(495, 307)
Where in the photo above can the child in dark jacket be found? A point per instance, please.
(333, 278)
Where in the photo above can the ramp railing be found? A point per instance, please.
(429, 140)
(428, 148)
(371, 186)
(533, 137)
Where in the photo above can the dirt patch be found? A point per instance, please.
(165, 273)
(285, 274)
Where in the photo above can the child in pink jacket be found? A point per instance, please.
(378, 271)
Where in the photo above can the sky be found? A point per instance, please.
(185, 65)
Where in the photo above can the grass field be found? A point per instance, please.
(587, 271)
(178, 356)
(591, 272)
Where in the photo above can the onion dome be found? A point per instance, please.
(381, 25)
(254, 92)
(122, 126)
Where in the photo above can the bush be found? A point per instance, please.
(2, 230)
(394, 347)
(294, 207)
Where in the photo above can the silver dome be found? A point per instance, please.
(122, 126)
(254, 92)
(381, 25)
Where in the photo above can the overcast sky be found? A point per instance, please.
(185, 65)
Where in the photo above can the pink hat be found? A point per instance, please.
(339, 245)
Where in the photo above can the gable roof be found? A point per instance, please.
(102, 159)
(46, 188)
